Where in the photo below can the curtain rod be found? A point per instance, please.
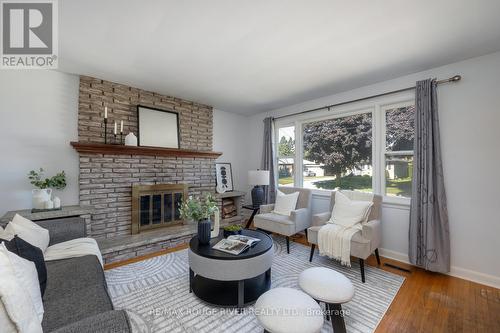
(454, 78)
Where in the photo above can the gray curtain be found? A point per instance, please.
(269, 160)
(429, 238)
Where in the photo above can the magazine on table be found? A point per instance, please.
(235, 244)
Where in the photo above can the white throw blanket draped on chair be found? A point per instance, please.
(334, 241)
(334, 238)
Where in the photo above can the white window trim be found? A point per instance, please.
(383, 111)
(377, 107)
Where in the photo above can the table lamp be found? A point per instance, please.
(258, 178)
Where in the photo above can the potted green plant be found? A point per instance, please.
(233, 229)
(44, 186)
(200, 210)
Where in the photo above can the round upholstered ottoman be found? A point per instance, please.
(332, 288)
(287, 310)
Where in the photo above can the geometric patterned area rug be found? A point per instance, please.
(156, 296)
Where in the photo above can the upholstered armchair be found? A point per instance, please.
(364, 242)
(299, 219)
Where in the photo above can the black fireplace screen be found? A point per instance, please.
(156, 206)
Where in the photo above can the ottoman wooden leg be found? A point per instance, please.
(337, 317)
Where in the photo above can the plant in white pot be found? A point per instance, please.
(44, 186)
(201, 210)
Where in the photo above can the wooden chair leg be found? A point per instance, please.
(378, 256)
(313, 246)
(305, 231)
(287, 244)
(337, 317)
(362, 267)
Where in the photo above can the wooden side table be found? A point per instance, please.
(255, 210)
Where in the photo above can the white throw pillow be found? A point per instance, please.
(285, 203)
(347, 212)
(5, 323)
(20, 292)
(29, 231)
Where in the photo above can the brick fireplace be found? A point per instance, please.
(106, 179)
(107, 172)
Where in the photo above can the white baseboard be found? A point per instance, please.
(463, 273)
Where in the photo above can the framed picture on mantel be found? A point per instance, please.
(157, 128)
(224, 177)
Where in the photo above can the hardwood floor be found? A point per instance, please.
(426, 302)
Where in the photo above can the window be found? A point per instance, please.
(367, 149)
(337, 153)
(399, 135)
(286, 155)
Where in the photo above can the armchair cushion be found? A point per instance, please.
(275, 223)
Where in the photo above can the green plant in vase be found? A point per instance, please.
(42, 195)
(200, 210)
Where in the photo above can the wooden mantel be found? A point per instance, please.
(99, 148)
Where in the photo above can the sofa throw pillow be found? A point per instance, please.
(285, 203)
(29, 231)
(4, 234)
(5, 323)
(32, 253)
(19, 292)
(347, 212)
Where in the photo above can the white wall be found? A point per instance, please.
(230, 135)
(470, 119)
(38, 119)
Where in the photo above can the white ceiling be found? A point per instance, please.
(256, 55)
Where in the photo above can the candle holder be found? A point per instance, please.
(105, 130)
(114, 141)
(121, 138)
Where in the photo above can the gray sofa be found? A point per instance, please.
(76, 298)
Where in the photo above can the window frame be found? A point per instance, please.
(378, 108)
(277, 126)
(383, 145)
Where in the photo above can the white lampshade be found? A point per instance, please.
(258, 177)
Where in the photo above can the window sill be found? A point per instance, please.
(400, 203)
(391, 202)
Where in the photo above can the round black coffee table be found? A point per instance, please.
(225, 279)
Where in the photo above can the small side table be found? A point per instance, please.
(255, 210)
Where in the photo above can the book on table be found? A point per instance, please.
(235, 244)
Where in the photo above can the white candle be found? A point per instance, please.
(121, 126)
(105, 112)
(115, 128)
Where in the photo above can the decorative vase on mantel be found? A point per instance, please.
(204, 231)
